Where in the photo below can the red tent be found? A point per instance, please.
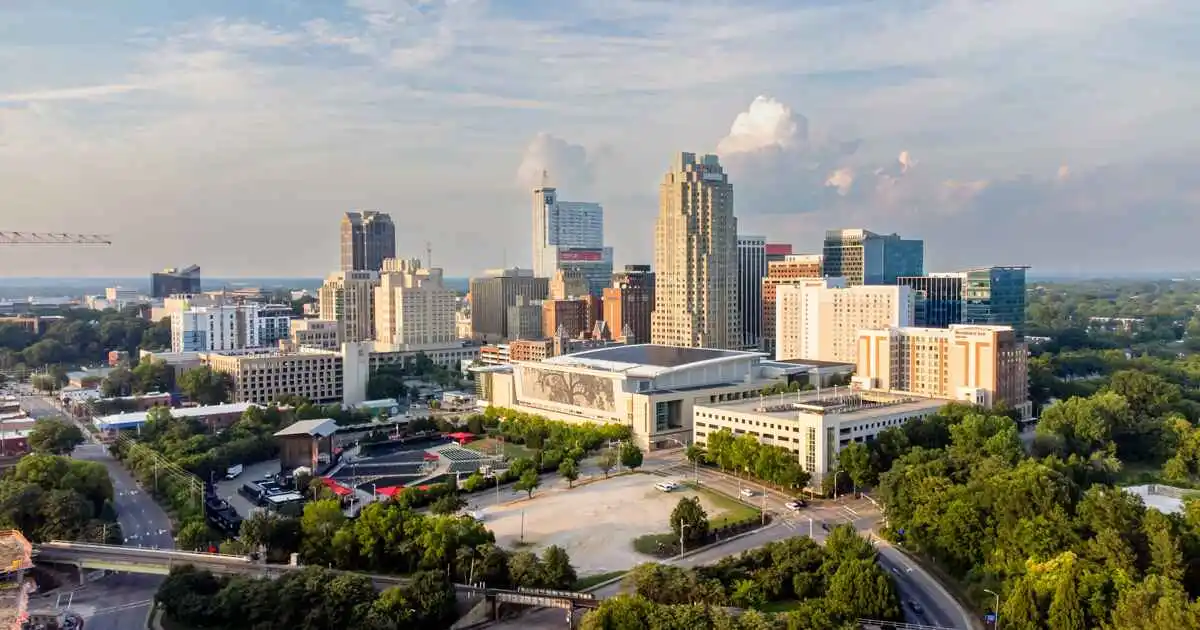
(389, 491)
(337, 488)
(431, 457)
(461, 437)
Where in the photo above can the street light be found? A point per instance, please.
(996, 623)
(682, 528)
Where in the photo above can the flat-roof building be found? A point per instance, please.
(814, 426)
(650, 388)
(216, 416)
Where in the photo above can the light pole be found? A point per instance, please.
(996, 622)
(682, 528)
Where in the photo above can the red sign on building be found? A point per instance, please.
(580, 255)
(779, 249)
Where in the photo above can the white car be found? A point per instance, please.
(666, 486)
(794, 506)
(746, 492)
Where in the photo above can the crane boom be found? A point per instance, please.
(52, 238)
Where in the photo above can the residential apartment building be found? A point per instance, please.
(229, 327)
(368, 238)
(316, 333)
(569, 236)
(993, 296)
(864, 257)
(491, 296)
(752, 268)
(820, 319)
(983, 365)
(695, 258)
(788, 269)
(629, 302)
(413, 308)
(348, 297)
(174, 281)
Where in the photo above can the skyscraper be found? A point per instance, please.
(367, 238)
(413, 309)
(992, 296)
(569, 236)
(791, 269)
(695, 257)
(347, 297)
(819, 319)
(864, 257)
(173, 281)
(492, 295)
(752, 268)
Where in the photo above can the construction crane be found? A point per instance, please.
(52, 238)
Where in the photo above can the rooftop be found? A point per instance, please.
(320, 427)
(814, 363)
(180, 412)
(623, 358)
(849, 404)
(15, 551)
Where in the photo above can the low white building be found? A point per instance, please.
(814, 426)
(651, 388)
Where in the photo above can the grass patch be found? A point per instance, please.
(584, 583)
(734, 511)
(657, 545)
(489, 446)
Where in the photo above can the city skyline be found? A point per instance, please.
(150, 125)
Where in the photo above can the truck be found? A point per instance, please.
(233, 472)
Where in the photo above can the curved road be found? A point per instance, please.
(119, 601)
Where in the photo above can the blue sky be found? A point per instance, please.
(1059, 134)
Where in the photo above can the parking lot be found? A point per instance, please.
(228, 489)
(595, 523)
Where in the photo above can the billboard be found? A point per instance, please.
(590, 391)
(779, 249)
(580, 255)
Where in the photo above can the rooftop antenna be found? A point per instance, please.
(545, 178)
(428, 255)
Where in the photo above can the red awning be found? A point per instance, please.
(460, 436)
(431, 457)
(337, 488)
(389, 491)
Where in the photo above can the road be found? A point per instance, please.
(913, 583)
(119, 601)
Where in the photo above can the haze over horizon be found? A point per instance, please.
(233, 136)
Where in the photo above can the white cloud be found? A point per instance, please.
(841, 179)
(766, 124)
(550, 159)
(82, 93)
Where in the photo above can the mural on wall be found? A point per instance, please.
(569, 388)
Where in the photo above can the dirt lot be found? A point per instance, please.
(595, 523)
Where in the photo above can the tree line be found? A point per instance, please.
(52, 497)
(746, 456)
(82, 336)
(822, 587)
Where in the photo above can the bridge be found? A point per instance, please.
(94, 557)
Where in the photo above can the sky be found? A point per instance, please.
(1061, 134)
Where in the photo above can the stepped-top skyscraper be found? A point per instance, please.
(569, 236)
(367, 239)
(696, 257)
(864, 257)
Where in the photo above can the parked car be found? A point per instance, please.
(794, 506)
(666, 486)
(746, 492)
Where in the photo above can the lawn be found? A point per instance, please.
(650, 544)
(584, 583)
(734, 511)
(488, 446)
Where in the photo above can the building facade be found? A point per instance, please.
(788, 269)
(229, 327)
(982, 365)
(413, 307)
(491, 296)
(525, 319)
(265, 377)
(695, 258)
(173, 281)
(348, 297)
(752, 268)
(778, 251)
(991, 296)
(572, 318)
(864, 257)
(569, 235)
(367, 239)
(820, 319)
(629, 302)
(316, 333)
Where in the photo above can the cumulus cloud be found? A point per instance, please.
(563, 164)
(767, 124)
(841, 179)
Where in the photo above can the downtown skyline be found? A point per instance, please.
(204, 134)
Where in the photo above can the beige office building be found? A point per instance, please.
(265, 377)
(816, 427)
(983, 365)
(413, 308)
(696, 258)
(793, 269)
(347, 297)
(819, 319)
(323, 334)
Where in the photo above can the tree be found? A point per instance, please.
(1066, 607)
(195, 536)
(120, 382)
(607, 462)
(690, 519)
(557, 571)
(448, 504)
(319, 523)
(44, 383)
(528, 482)
(206, 386)
(153, 376)
(694, 453)
(568, 470)
(1021, 610)
(860, 589)
(631, 456)
(55, 435)
(855, 459)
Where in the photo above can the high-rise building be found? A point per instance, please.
(413, 308)
(525, 319)
(695, 258)
(575, 317)
(791, 269)
(752, 268)
(491, 296)
(778, 251)
(348, 297)
(983, 365)
(569, 235)
(993, 296)
(629, 302)
(820, 319)
(173, 281)
(228, 327)
(367, 239)
(864, 257)
(568, 284)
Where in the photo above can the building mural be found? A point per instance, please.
(569, 388)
